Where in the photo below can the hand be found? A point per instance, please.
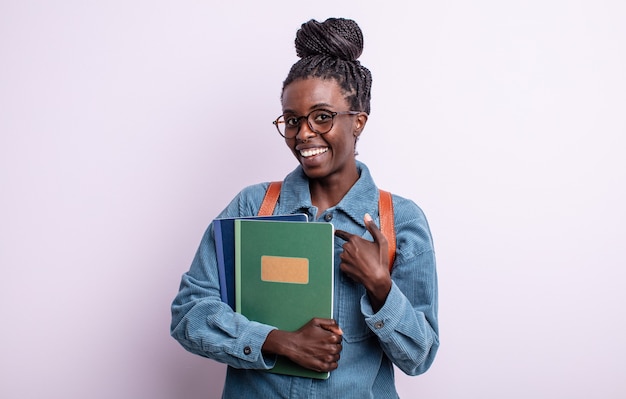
(366, 262)
(316, 345)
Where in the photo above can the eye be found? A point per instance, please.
(322, 117)
(292, 121)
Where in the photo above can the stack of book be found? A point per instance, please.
(277, 270)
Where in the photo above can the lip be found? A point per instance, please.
(309, 152)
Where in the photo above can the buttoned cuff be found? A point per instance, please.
(385, 320)
(248, 347)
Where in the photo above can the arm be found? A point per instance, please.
(206, 326)
(201, 322)
(405, 318)
(406, 326)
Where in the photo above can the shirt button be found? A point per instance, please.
(328, 217)
(247, 350)
(379, 324)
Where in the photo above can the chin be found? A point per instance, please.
(313, 173)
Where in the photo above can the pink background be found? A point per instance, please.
(126, 126)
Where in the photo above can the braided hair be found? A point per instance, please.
(329, 50)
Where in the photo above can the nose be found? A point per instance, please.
(304, 131)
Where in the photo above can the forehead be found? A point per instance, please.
(303, 95)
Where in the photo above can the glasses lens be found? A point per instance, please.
(321, 121)
(288, 125)
(280, 125)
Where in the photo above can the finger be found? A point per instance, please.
(372, 228)
(332, 327)
(328, 367)
(343, 234)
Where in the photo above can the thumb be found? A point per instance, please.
(372, 228)
(332, 327)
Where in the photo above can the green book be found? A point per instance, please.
(284, 277)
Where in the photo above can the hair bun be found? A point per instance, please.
(335, 37)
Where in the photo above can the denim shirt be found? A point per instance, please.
(403, 332)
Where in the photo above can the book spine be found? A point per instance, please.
(219, 250)
(238, 266)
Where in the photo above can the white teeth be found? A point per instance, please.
(313, 151)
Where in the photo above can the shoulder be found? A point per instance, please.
(412, 229)
(406, 210)
(254, 190)
(247, 201)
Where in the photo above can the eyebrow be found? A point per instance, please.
(312, 108)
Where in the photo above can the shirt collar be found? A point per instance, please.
(295, 195)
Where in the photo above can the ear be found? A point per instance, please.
(359, 123)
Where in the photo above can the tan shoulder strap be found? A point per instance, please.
(270, 199)
(385, 208)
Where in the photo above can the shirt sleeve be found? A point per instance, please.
(205, 325)
(406, 325)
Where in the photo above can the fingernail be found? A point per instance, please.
(367, 217)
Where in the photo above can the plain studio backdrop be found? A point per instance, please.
(126, 126)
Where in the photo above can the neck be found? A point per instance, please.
(329, 191)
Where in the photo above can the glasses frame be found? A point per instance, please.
(300, 118)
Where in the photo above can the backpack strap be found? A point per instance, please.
(270, 199)
(385, 209)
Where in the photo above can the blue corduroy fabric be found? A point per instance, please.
(403, 332)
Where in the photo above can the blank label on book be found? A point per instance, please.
(280, 269)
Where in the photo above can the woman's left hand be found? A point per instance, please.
(366, 262)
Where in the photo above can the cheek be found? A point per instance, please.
(292, 147)
(347, 142)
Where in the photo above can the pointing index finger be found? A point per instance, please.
(343, 234)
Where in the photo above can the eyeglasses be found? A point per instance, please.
(320, 121)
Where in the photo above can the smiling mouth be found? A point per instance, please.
(312, 152)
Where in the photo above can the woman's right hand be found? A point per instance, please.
(315, 346)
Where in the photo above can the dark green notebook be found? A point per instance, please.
(284, 277)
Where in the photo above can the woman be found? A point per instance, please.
(380, 318)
